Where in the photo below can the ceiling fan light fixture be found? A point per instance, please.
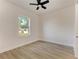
(40, 3)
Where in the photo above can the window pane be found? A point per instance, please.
(23, 25)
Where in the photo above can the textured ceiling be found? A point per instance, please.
(53, 5)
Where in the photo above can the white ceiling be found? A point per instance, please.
(53, 5)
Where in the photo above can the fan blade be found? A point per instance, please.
(37, 8)
(38, 1)
(33, 4)
(43, 7)
(45, 2)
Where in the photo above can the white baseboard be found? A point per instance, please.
(14, 47)
(29, 42)
(59, 43)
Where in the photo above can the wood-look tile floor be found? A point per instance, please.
(39, 50)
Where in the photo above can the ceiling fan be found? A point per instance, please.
(40, 3)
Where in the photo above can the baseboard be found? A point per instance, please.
(30, 42)
(58, 43)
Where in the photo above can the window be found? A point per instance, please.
(24, 23)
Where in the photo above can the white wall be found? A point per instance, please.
(58, 26)
(76, 31)
(9, 37)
